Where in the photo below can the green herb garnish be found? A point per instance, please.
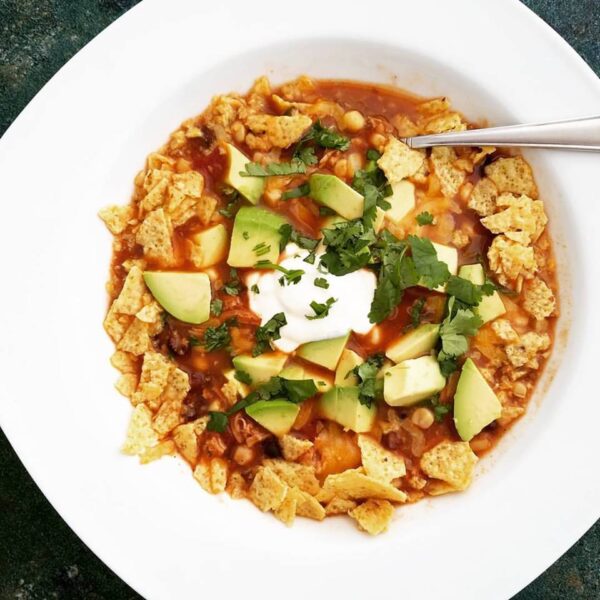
(433, 272)
(321, 282)
(415, 312)
(321, 309)
(267, 333)
(243, 376)
(424, 218)
(216, 338)
(370, 386)
(216, 307)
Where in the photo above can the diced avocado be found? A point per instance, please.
(402, 201)
(186, 296)
(342, 405)
(331, 191)
(249, 187)
(475, 404)
(255, 237)
(242, 389)
(448, 255)
(297, 372)
(348, 361)
(490, 307)
(260, 368)
(414, 344)
(277, 416)
(210, 246)
(412, 380)
(325, 353)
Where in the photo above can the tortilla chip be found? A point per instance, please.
(306, 505)
(398, 161)
(156, 160)
(434, 106)
(512, 175)
(447, 122)
(154, 235)
(339, 506)
(538, 299)
(155, 197)
(218, 475)
(504, 330)
(191, 183)
(286, 511)
(295, 475)
(509, 260)
(373, 516)
(236, 485)
(293, 448)
(169, 413)
(136, 339)
(116, 324)
(202, 476)
(483, 197)
(379, 463)
(451, 178)
(162, 449)
(140, 435)
(130, 300)
(439, 488)
(522, 221)
(186, 440)
(452, 462)
(525, 351)
(354, 484)
(267, 491)
(124, 362)
(126, 384)
(153, 379)
(274, 131)
(116, 218)
(151, 313)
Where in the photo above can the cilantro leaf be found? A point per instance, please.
(268, 332)
(289, 234)
(243, 376)
(306, 155)
(454, 329)
(216, 307)
(298, 390)
(372, 183)
(234, 286)
(254, 288)
(321, 310)
(424, 218)
(294, 167)
(467, 292)
(297, 192)
(415, 312)
(370, 387)
(326, 137)
(217, 422)
(440, 410)
(216, 338)
(432, 272)
(321, 282)
(347, 247)
(290, 276)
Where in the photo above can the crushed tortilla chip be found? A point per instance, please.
(126, 384)
(236, 485)
(433, 106)
(186, 440)
(164, 448)
(140, 435)
(339, 506)
(452, 462)
(153, 379)
(525, 351)
(512, 175)
(295, 475)
(130, 300)
(354, 484)
(451, 178)
(169, 412)
(202, 476)
(447, 122)
(504, 330)
(218, 475)
(398, 161)
(124, 362)
(293, 448)
(373, 516)
(116, 218)
(154, 235)
(306, 505)
(136, 340)
(286, 511)
(151, 313)
(439, 488)
(538, 299)
(275, 131)
(522, 221)
(267, 491)
(379, 463)
(483, 197)
(155, 197)
(509, 260)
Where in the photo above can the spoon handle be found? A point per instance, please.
(574, 134)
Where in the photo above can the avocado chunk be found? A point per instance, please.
(448, 255)
(209, 246)
(297, 372)
(249, 187)
(402, 201)
(348, 361)
(490, 307)
(342, 405)
(277, 416)
(412, 380)
(186, 296)
(331, 191)
(325, 353)
(260, 368)
(255, 237)
(475, 404)
(414, 344)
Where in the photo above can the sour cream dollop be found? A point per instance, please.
(353, 293)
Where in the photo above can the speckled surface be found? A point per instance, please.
(40, 557)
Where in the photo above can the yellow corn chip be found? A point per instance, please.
(295, 475)
(512, 175)
(126, 384)
(339, 506)
(130, 300)
(236, 485)
(267, 491)
(218, 475)
(124, 362)
(286, 511)
(373, 516)
(154, 235)
(116, 218)
(140, 435)
(398, 161)
(354, 484)
(293, 448)
(379, 463)
(306, 505)
(136, 339)
(452, 462)
(202, 476)
(186, 440)
(450, 177)
(158, 451)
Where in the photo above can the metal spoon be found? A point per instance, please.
(574, 134)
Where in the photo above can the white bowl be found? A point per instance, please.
(77, 148)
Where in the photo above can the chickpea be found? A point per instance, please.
(243, 455)
(520, 389)
(378, 141)
(422, 418)
(238, 131)
(341, 168)
(353, 121)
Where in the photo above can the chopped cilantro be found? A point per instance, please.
(321, 310)
(289, 234)
(261, 249)
(245, 235)
(306, 155)
(370, 387)
(290, 276)
(217, 422)
(372, 183)
(424, 218)
(294, 167)
(216, 338)
(321, 282)
(254, 288)
(268, 332)
(325, 211)
(233, 202)
(194, 341)
(415, 312)
(234, 286)
(347, 247)
(297, 192)
(468, 292)
(216, 307)
(440, 410)
(326, 137)
(243, 376)
(432, 272)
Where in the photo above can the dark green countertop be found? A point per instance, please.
(40, 557)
